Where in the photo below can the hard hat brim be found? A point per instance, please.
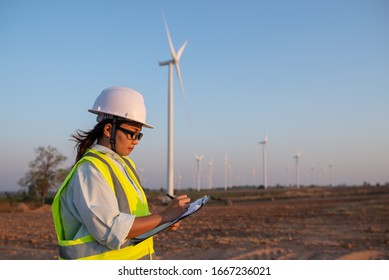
(120, 117)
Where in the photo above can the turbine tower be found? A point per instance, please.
(225, 163)
(288, 175)
(331, 178)
(264, 151)
(174, 61)
(198, 159)
(210, 174)
(297, 157)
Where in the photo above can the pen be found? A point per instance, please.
(170, 196)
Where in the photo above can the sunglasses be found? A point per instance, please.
(133, 135)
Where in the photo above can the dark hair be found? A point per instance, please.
(85, 139)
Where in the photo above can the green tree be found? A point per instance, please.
(44, 173)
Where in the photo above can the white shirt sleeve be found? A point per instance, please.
(96, 207)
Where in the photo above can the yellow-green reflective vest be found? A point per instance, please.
(128, 200)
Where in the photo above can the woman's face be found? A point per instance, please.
(126, 137)
(124, 143)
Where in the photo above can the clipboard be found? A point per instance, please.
(193, 208)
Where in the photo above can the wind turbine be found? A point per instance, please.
(297, 157)
(198, 159)
(331, 178)
(313, 174)
(264, 151)
(174, 61)
(225, 163)
(210, 173)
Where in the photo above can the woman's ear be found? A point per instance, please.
(107, 130)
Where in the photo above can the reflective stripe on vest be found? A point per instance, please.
(87, 247)
(118, 189)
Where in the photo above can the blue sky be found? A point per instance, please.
(312, 75)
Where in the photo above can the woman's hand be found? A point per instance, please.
(175, 226)
(176, 208)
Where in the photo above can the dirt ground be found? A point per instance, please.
(312, 223)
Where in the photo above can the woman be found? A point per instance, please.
(101, 204)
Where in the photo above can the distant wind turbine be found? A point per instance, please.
(264, 151)
(313, 174)
(210, 174)
(331, 178)
(198, 159)
(226, 166)
(297, 157)
(174, 61)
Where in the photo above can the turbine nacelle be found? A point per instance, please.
(198, 158)
(167, 62)
(265, 141)
(175, 57)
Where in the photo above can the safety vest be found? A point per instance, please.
(129, 201)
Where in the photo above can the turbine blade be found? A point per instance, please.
(183, 92)
(179, 78)
(169, 38)
(181, 50)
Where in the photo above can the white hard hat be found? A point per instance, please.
(121, 102)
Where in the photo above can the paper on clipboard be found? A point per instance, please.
(193, 208)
